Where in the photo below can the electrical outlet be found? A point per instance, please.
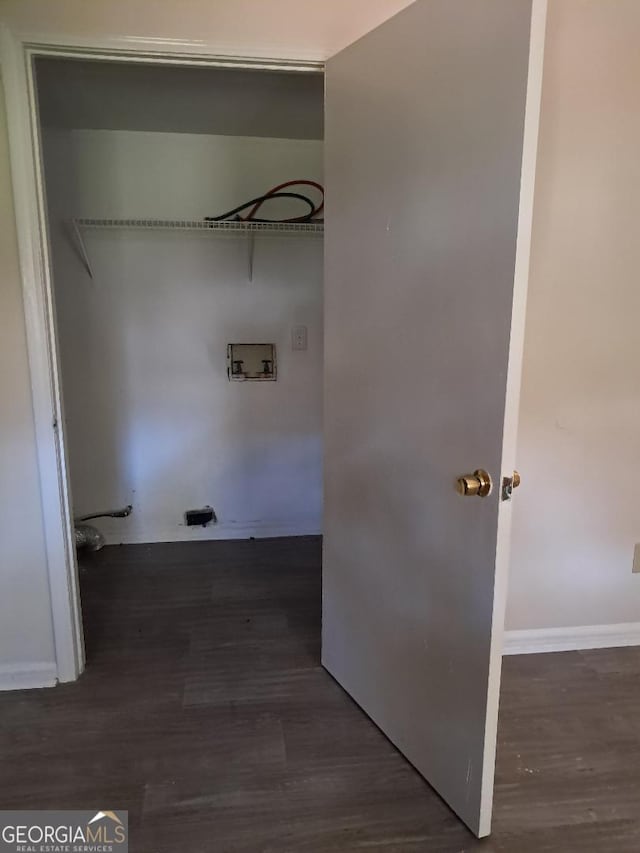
(636, 558)
(203, 516)
(299, 338)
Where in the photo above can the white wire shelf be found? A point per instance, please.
(225, 227)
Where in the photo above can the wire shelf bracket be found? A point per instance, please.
(231, 227)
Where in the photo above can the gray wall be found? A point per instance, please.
(174, 99)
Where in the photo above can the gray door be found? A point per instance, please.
(424, 148)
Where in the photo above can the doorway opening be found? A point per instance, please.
(168, 285)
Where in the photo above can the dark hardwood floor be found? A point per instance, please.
(204, 712)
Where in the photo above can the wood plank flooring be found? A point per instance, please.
(204, 711)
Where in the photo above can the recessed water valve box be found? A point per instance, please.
(253, 362)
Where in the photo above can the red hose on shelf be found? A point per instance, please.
(304, 182)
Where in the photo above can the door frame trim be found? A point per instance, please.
(18, 52)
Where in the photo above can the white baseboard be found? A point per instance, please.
(571, 639)
(25, 676)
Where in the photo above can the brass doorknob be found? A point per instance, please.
(478, 483)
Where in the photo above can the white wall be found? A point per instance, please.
(26, 636)
(151, 417)
(577, 514)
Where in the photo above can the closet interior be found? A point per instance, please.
(185, 212)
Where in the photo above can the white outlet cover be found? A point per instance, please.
(299, 338)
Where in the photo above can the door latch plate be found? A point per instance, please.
(509, 484)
